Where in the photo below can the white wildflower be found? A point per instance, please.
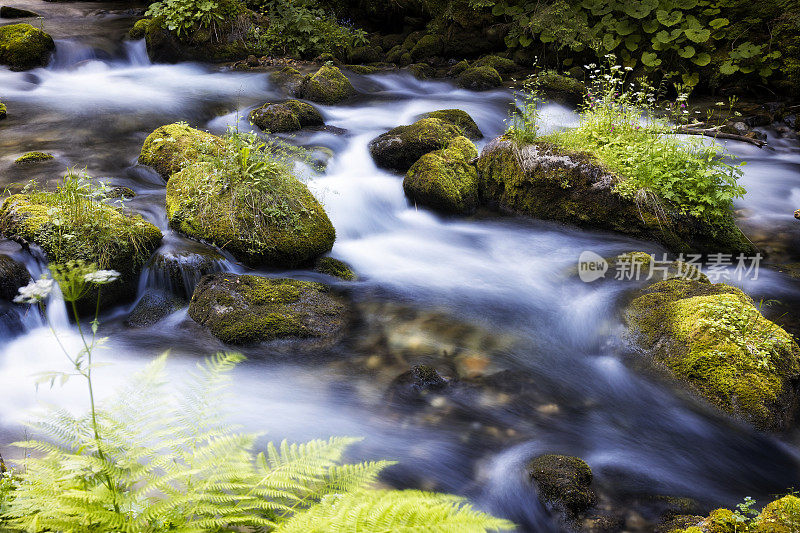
(101, 277)
(34, 292)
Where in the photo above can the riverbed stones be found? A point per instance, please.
(247, 309)
(480, 79)
(9, 12)
(547, 182)
(13, 275)
(445, 179)
(115, 240)
(715, 342)
(24, 47)
(459, 118)
(169, 148)
(401, 147)
(326, 86)
(281, 117)
(563, 481)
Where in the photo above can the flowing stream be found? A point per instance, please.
(430, 287)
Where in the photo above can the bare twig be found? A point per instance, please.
(719, 135)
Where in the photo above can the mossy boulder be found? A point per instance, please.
(8, 12)
(401, 147)
(291, 115)
(779, 516)
(171, 147)
(500, 64)
(364, 54)
(715, 341)
(326, 86)
(201, 44)
(458, 68)
(33, 157)
(564, 482)
(285, 239)
(139, 29)
(23, 47)
(479, 79)
(422, 71)
(111, 239)
(560, 88)
(427, 46)
(446, 179)
(547, 182)
(249, 309)
(458, 118)
(3, 111)
(13, 275)
(334, 267)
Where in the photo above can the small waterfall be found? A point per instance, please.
(136, 53)
(177, 272)
(69, 53)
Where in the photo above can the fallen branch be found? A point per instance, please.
(720, 135)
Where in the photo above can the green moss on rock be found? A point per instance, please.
(13, 275)
(458, 118)
(334, 267)
(401, 147)
(480, 79)
(289, 78)
(422, 71)
(33, 157)
(251, 309)
(458, 68)
(446, 179)
(564, 481)
(171, 147)
(500, 64)
(3, 111)
(112, 240)
(139, 29)
(779, 516)
(327, 86)
(23, 47)
(306, 235)
(548, 182)
(430, 45)
(559, 87)
(712, 338)
(8, 12)
(291, 115)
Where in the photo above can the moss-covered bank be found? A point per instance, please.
(779, 516)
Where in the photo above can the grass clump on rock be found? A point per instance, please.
(242, 195)
(76, 222)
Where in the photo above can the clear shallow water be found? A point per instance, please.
(431, 287)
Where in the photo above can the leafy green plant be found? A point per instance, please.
(302, 28)
(158, 458)
(622, 127)
(186, 16)
(523, 122)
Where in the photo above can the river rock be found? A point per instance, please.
(714, 341)
(480, 79)
(459, 118)
(500, 64)
(13, 275)
(446, 179)
(294, 235)
(401, 147)
(249, 309)
(164, 46)
(415, 385)
(289, 78)
(116, 241)
(3, 111)
(24, 47)
(291, 115)
(547, 182)
(560, 88)
(326, 86)
(139, 29)
(334, 267)
(154, 306)
(8, 12)
(564, 482)
(169, 148)
(33, 157)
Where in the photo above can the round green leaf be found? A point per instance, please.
(624, 27)
(728, 68)
(610, 42)
(668, 18)
(719, 23)
(632, 42)
(765, 72)
(691, 79)
(650, 59)
(698, 36)
(686, 52)
(640, 9)
(702, 59)
(650, 26)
